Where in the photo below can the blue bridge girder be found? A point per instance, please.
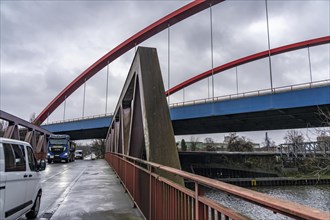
(283, 110)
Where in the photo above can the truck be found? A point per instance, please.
(60, 148)
(20, 180)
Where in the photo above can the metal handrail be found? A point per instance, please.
(261, 92)
(284, 207)
(79, 119)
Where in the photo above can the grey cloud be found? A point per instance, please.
(46, 44)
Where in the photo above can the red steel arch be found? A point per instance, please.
(257, 56)
(163, 23)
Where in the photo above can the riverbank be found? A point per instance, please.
(276, 181)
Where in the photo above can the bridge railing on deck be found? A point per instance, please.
(79, 119)
(276, 90)
(159, 198)
(261, 92)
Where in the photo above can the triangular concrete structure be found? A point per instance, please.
(141, 124)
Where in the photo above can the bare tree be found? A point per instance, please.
(325, 123)
(325, 116)
(3, 125)
(98, 146)
(86, 149)
(236, 143)
(294, 137)
(32, 117)
(193, 143)
(210, 146)
(294, 140)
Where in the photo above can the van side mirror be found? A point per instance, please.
(41, 165)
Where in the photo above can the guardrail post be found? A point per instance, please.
(150, 191)
(134, 185)
(199, 210)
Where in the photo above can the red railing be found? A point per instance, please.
(160, 198)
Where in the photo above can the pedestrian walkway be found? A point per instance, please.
(97, 194)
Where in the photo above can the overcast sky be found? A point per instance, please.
(47, 44)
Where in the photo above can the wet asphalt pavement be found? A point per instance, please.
(84, 189)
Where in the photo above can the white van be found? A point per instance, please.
(79, 154)
(20, 185)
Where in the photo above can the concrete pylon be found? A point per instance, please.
(141, 124)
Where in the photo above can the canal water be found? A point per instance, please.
(312, 196)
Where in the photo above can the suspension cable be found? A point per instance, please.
(310, 65)
(168, 62)
(183, 95)
(208, 87)
(64, 108)
(83, 112)
(106, 90)
(269, 55)
(236, 81)
(211, 23)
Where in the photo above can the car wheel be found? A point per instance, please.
(35, 209)
(49, 161)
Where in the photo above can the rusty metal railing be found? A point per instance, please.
(159, 198)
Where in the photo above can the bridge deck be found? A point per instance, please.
(283, 110)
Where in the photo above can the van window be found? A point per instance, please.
(14, 158)
(32, 159)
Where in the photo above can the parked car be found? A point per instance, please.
(93, 156)
(79, 154)
(20, 185)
